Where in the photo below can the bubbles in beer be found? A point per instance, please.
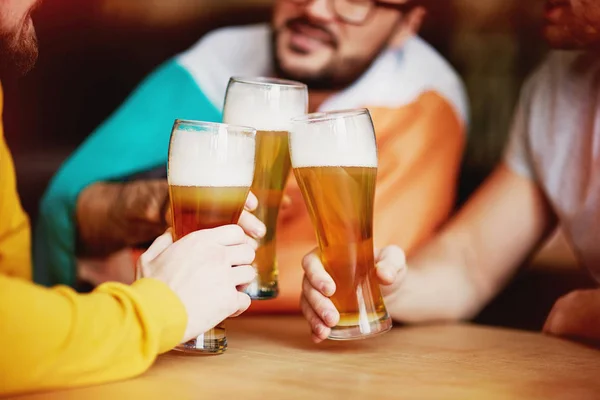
(327, 140)
(266, 107)
(219, 159)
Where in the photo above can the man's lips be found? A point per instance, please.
(307, 38)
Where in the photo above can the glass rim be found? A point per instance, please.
(330, 115)
(216, 125)
(268, 81)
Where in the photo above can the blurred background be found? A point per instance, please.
(94, 52)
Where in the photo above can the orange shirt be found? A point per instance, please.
(420, 148)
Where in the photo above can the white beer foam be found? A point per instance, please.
(192, 164)
(339, 142)
(264, 107)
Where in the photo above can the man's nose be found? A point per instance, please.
(320, 10)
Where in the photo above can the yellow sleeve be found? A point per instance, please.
(15, 235)
(420, 151)
(56, 338)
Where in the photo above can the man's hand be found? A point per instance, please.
(576, 316)
(204, 269)
(253, 227)
(318, 287)
(112, 216)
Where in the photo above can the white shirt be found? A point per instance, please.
(397, 77)
(555, 141)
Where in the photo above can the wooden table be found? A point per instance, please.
(273, 358)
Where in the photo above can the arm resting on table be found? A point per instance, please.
(468, 263)
(56, 338)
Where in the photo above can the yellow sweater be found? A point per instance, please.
(56, 338)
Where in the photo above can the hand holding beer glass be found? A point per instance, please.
(210, 171)
(267, 105)
(334, 157)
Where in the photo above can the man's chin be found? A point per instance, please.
(299, 66)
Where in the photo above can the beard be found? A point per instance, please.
(18, 50)
(338, 74)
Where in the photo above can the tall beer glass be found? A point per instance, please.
(209, 173)
(334, 156)
(267, 105)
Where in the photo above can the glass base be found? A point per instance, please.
(211, 342)
(361, 327)
(258, 291)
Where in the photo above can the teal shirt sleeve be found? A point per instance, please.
(134, 139)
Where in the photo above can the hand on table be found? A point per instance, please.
(576, 316)
(318, 287)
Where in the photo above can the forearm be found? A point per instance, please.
(438, 286)
(456, 274)
(112, 216)
(100, 232)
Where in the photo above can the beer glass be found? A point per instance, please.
(210, 171)
(266, 105)
(334, 157)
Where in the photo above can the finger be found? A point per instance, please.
(390, 265)
(320, 332)
(242, 275)
(159, 245)
(316, 274)
(251, 202)
(549, 325)
(240, 254)
(252, 242)
(228, 235)
(252, 225)
(322, 306)
(244, 302)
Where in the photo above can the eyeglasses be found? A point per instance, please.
(357, 12)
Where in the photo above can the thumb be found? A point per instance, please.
(390, 263)
(158, 246)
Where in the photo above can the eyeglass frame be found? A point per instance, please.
(373, 4)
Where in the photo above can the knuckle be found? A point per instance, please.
(315, 322)
(237, 231)
(247, 273)
(308, 260)
(318, 303)
(218, 253)
(198, 236)
(396, 254)
(248, 251)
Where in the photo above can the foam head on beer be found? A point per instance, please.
(267, 104)
(211, 155)
(333, 139)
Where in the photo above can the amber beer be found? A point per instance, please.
(210, 172)
(270, 176)
(195, 208)
(267, 105)
(334, 157)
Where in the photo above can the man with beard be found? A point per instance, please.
(550, 175)
(351, 54)
(56, 338)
